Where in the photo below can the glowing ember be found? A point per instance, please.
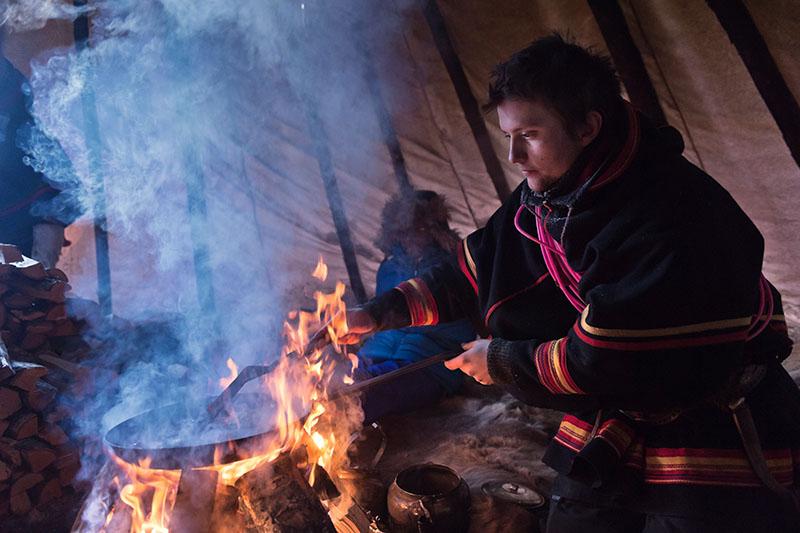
(299, 386)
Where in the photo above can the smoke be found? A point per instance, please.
(24, 15)
(186, 129)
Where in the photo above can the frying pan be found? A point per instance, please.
(188, 434)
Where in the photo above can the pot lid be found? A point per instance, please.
(511, 492)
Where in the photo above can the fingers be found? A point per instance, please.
(455, 363)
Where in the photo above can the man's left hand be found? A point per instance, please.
(473, 361)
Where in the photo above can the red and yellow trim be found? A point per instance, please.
(421, 304)
(573, 433)
(703, 466)
(678, 466)
(551, 366)
(467, 265)
(699, 334)
(617, 434)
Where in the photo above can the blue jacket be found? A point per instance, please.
(389, 350)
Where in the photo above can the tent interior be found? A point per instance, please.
(226, 146)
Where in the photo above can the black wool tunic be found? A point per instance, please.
(631, 298)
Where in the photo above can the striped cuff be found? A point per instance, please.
(551, 366)
(421, 305)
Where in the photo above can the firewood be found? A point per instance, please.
(194, 501)
(57, 414)
(8, 453)
(31, 341)
(10, 402)
(56, 312)
(18, 300)
(25, 482)
(5, 471)
(67, 474)
(3, 288)
(4, 504)
(9, 254)
(23, 425)
(67, 455)
(26, 375)
(57, 274)
(36, 454)
(226, 505)
(20, 504)
(276, 497)
(3, 426)
(51, 290)
(2, 315)
(41, 397)
(28, 315)
(39, 327)
(6, 370)
(53, 435)
(54, 360)
(46, 492)
(64, 328)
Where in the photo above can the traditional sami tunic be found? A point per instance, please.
(631, 297)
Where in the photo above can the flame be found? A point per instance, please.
(150, 494)
(321, 270)
(224, 382)
(298, 385)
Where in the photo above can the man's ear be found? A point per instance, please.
(590, 128)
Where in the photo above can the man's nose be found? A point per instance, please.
(516, 152)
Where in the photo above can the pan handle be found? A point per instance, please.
(248, 373)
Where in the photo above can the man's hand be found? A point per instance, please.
(473, 361)
(47, 242)
(359, 324)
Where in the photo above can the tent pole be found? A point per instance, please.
(326, 170)
(743, 33)
(469, 103)
(381, 110)
(627, 58)
(93, 146)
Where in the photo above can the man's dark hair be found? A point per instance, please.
(558, 72)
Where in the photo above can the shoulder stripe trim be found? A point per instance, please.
(664, 332)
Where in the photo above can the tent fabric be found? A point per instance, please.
(271, 189)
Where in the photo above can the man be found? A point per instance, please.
(623, 285)
(24, 221)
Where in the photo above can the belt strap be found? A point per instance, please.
(755, 454)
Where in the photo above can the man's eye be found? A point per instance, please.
(506, 135)
(528, 134)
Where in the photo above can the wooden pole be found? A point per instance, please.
(469, 103)
(627, 59)
(743, 33)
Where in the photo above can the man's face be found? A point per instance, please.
(538, 142)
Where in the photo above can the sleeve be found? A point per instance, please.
(443, 293)
(665, 325)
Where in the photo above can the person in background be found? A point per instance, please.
(25, 193)
(414, 236)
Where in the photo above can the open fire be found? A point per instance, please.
(311, 432)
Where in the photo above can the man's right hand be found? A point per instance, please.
(359, 324)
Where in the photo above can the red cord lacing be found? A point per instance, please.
(567, 279)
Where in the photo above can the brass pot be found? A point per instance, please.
(428, 498)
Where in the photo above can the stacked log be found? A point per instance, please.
(37, 459)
